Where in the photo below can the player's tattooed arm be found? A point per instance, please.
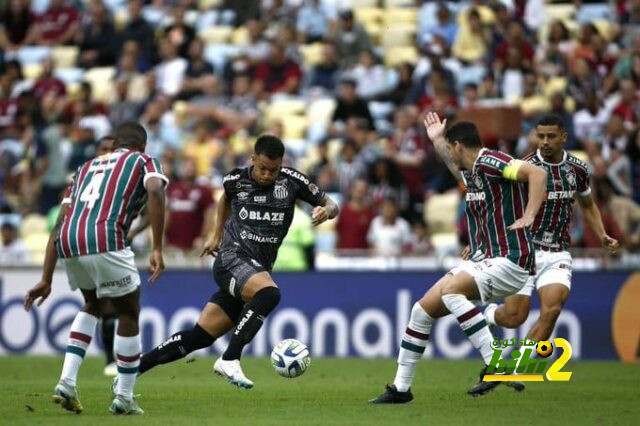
(537, 179)
(594, 221)
(43, 288)
(212, 244)
(327, 209)
(435, 131)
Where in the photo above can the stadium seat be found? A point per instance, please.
(604, 28)
(398, 3)
(30, 54)
(69, 75)
(560, 11)
(398, 35)
(216, 35)
(240, 36)
(445, 244)
(399, 54)
(321, 110)
(217, 54)
(120, 18)
(32, 224)
(396, 16)
(101, 80)
(280, 108)
(208, 4)
(312, 54)
(294, 126)
(32, 71)
(355, 4)
(369, 16)
(206, 19)
(36, 244)
(440, 212)
(65, 56)
(553, 85)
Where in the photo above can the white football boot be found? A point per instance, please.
(232, 371)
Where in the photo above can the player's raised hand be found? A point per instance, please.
(156, 265)
(435, 127)
(523, 222)
(611, 244)
(466, 253)
(211, 246)
(40, 290)
(319, 215)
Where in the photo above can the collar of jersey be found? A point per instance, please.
(564, 158)
(482, 151)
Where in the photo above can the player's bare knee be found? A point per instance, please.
(92, 308)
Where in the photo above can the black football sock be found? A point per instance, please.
(251, 320)
(108, 330)
(175, 347)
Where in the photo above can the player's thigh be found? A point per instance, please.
(128, 304)
(115, 272)
(240, 276)
(517, 306)
(256, 283)
(214, 318)
(91, 303)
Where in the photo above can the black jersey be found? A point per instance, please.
(261, 215)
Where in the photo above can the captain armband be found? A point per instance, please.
(510, 172)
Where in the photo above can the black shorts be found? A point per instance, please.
(231, 271)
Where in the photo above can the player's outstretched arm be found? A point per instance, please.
(594, 222)
(223, 212)
(43, 288)
(435, 130)
(537, 179)
(156, 212)
(328, 209)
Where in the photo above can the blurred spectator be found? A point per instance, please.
(470, 96)
(355, 218)
(97, 38)
(350, 167)
(515, 39)
(8, 104)
(83, 147)
(12, 250)
(199, 72)
(312, 22)
(370, 75)
(138, 85)
(189, 210)
(558, 107)
(57, 26)
(471, 43)
(139, 30)
(420, 242)
(162, 130)
(47, 82)
(603, 196)
(171, 69)
(581, 81)
(389, 234)
(399, 94)
(57, 144)
(385, 182)
(445, 31)
(325, 74)
(180, 34)
(590, 121)
(351, 38)
(296, 254)
(203, 149)
(122, 109)
(349, 105)
(16, 24)
(277, 74)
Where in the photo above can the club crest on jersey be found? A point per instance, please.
(477, 181)
(314, 189)
(571, 178)
(280, 191)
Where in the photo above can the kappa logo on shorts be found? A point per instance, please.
(564, 266)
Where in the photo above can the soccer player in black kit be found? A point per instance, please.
(254, 214)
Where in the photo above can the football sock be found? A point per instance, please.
(414, 342)
(490, 314)
(176, 347)
(128, 359)
(82, 329)
(251, 320)
(108, 331)
(472, 323)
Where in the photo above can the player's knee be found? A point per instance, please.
(550, 314)
(199, 338)
(270, 297)
(92, 308)
(514, 319)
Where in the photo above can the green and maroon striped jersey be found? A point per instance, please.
(550, 230)
(106, 194)
(493, 203)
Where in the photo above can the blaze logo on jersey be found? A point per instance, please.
(274, 217)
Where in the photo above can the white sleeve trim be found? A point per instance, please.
(157, 175)
(66, 200)
(587, 192)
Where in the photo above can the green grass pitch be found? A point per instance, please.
(333, 391)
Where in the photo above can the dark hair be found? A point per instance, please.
(551, 120)
(105, 138)
(269, 145)
(130, 134)
(465, 133)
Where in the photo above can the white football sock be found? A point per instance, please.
(490, 313)
(414, 342)
(82, 330)
(127, 351)
(472, 323)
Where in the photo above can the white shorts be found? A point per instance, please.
(496, 278)
(110, 274)
(551, 268)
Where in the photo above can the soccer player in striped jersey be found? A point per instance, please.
(499, 216)
(568, 179)
(90, 238)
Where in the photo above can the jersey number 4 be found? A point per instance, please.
(92, 191)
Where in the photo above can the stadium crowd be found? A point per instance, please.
(344, 83)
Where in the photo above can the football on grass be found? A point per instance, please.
(290, 358)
